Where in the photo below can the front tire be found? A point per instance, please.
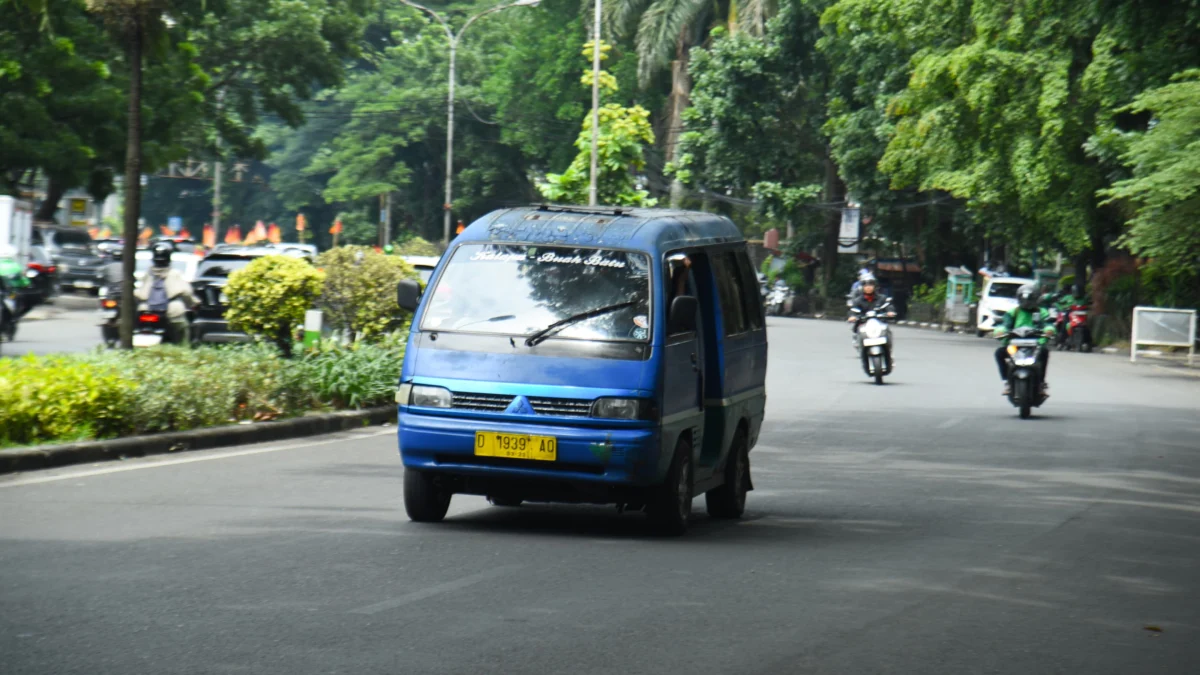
(729, 500)
(877, 366)
(424, 500)
(1025, 398)
(670, 506)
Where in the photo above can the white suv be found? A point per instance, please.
(998, 297)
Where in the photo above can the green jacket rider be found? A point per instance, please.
(1027, 313)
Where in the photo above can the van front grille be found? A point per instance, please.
(561, 407)
(482, 402)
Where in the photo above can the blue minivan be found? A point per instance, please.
(585, 355)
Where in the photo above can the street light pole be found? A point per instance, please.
(453, 40)
(592, 197)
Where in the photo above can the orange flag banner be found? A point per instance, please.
(260, 232)
(301, 222)
(233, 235)
(94, 232)
(337, 227)
(184, 234)
(209, 238)
(166, 231)
(274, 235)
(144, 237)
(105, 233)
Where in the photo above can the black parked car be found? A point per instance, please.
(42, 273)
(211, 276)
(80, 267)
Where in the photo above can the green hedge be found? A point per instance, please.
(105, 394)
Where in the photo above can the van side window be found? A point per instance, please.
(750, 292)
(729, 288)
(679, 281)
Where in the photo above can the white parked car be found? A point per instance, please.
(998, 297)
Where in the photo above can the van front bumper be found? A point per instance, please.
(614, 456)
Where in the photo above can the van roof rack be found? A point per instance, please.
(599, 210)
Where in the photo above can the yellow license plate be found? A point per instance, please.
(515, 446)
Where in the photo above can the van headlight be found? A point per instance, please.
(624, 409)
(429, 397)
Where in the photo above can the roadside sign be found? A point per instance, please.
(848, 233)
(175, 224)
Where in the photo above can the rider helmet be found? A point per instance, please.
(1028, 297)
(162, 254)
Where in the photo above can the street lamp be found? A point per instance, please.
(453, 40)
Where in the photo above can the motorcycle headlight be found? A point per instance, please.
(873, 329)
(1012, 349)
(429, 397)
(624, 409)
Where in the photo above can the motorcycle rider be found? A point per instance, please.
(870, 300)
(163, 285)
(1028, 312)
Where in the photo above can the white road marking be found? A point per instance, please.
(436, 589)
(36, 480)
(953, 421)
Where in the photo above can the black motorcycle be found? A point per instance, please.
(1025, 389)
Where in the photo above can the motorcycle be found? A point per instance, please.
(875, 344)
(1025, 389)
(776, 298)
(151, 329)
(110, 316)
(9, 315)
(1076, 334)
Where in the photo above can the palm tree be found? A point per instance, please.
(665, 32)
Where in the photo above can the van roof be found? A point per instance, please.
(616, 226)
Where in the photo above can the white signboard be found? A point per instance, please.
(848, 233)
(1163, 327)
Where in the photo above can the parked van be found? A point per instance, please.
(587, 355)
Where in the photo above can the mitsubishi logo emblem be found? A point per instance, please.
(520, 406)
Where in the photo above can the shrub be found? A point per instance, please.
(59, 398)
(180, 388)
(417, 246)
(353, 376)
(269, 296)
(360, 290)
(930, 295)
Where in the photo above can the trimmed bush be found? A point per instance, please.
(51, 398)
(359, 297)
(268, 298)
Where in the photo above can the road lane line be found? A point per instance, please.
(953, 421)
(185, 460)
(436, 589)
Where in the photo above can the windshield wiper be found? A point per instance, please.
(544, 333)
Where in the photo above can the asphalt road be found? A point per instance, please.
(918, 527)
(70, 324)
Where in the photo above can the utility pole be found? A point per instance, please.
(453, 40)
(592, 197)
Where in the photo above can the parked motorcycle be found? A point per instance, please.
(1025, 389)
(875, 344)
(1076, 334)
(776, 298)
(10, 313)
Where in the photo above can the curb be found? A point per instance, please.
(48, 456)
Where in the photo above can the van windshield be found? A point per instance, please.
(518, 290)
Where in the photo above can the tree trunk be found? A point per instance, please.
(133, 178)
(681, 90)
(834, 191)
(55, 189)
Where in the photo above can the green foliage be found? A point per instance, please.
(359, 295)
(1164, 191)
(930, 295)
(418, 247)
(268, 297)
(60, 398)
(624, 133)
(356, 375)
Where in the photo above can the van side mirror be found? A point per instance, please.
(408, 294)
(682, 318)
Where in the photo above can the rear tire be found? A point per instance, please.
(729, 500)
(670, 505)
(424, 501)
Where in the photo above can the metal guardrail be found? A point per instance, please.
(1162, 327)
